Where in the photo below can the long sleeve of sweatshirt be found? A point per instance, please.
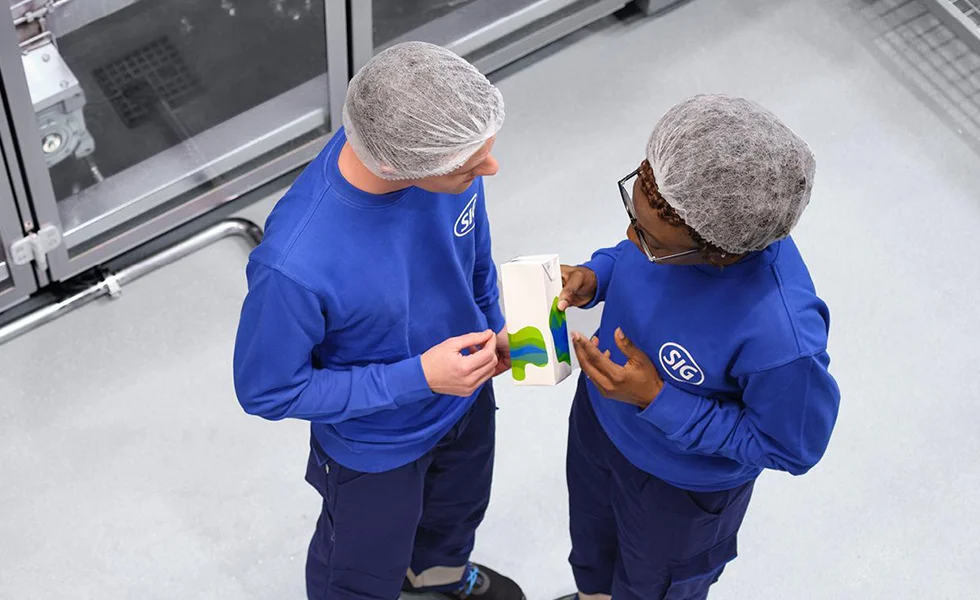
(485, 289)
(602, 263)
(784, 421)
(275, 376)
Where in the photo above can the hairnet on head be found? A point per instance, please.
(417, 110)
(733, 171)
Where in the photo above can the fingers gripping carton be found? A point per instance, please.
(539, 345)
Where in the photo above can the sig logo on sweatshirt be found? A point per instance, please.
(467, 219)
(680, 365)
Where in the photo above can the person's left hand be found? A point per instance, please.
(637, 382)
(503, 353)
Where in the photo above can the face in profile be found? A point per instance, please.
(481, 164)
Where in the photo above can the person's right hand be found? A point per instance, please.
(452, 373)
(578, 287)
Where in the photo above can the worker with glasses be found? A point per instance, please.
(710, 364)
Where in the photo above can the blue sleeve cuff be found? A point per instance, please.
(602, 265)
(406, 382)
(672, 410)
(495, 318)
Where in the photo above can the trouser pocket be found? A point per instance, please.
(690, 579)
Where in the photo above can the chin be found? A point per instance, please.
(446, 188)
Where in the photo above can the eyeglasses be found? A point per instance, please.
(631, 211)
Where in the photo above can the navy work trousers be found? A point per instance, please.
(634, 536)
(373, 527)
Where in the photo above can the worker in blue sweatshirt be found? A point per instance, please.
(710, 363)
(372, 312)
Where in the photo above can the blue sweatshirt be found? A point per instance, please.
(345, 293)
(743, 355)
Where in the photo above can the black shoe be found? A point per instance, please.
(479, 583)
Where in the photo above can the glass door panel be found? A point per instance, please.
(141, 104)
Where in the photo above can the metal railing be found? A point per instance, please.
(111, 284)
(943, 61)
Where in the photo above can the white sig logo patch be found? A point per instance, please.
(467, 219)
(680, 365)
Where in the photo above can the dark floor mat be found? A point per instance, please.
(156, 68)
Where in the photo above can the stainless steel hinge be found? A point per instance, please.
(35, 247)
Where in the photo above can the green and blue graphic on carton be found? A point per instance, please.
(527, 346)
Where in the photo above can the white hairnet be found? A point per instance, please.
(417, 110)
(732, 170)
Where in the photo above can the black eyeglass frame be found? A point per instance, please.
(631, 212)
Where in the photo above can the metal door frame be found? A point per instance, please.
(39, 196)
(23, 133)
(17, 282)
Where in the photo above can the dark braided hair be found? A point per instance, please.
(648, 183)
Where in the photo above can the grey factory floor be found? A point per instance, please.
(129, 470)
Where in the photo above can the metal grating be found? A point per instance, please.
(969, 8)
(941, 64)
(137, 82)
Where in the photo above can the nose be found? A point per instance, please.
(490, 166)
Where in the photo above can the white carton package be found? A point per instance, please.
(539, 345)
